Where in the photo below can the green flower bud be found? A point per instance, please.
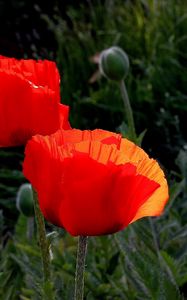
(24, 200)
(114, 63)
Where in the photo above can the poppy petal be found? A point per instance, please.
(64, 115)
(84, 178)
(155, 204)
(40, 73)
(98, 199)
(149, 168)
(85, 207)
(74, 136)
(26, 110)
(132, 151)
(132, 190)
(41, 166)
(29, 100)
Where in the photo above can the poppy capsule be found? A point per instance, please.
(24, 200)
(114, 63)
(93, 182)
(29, 100)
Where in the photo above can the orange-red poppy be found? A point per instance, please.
(29, 100)
(93, 182)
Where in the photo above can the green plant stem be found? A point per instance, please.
(156, 244)
(128, 111)
(80, 267)
(30, 228)
(44, 247)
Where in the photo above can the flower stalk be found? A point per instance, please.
(44, 246)
(114, 65)
(128, 111)
(80, 267)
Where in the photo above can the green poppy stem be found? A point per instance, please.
(30, 228)
(44, 246)
(156, 244)
(80, 267)
(128, 111)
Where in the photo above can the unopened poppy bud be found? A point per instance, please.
(114, 63)
(24, 200)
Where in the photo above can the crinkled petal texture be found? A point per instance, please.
(93, 182)
(29, 100)
(40, 72)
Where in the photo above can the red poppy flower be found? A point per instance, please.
(29, 100)
(93, 182)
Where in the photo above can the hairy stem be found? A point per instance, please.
(80, 267)
(128, 111)
(44, 247)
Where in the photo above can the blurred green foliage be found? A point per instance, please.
(148, 259)
(145, 261)
(153, 33)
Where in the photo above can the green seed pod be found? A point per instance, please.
(24, 200)
(114, 63)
